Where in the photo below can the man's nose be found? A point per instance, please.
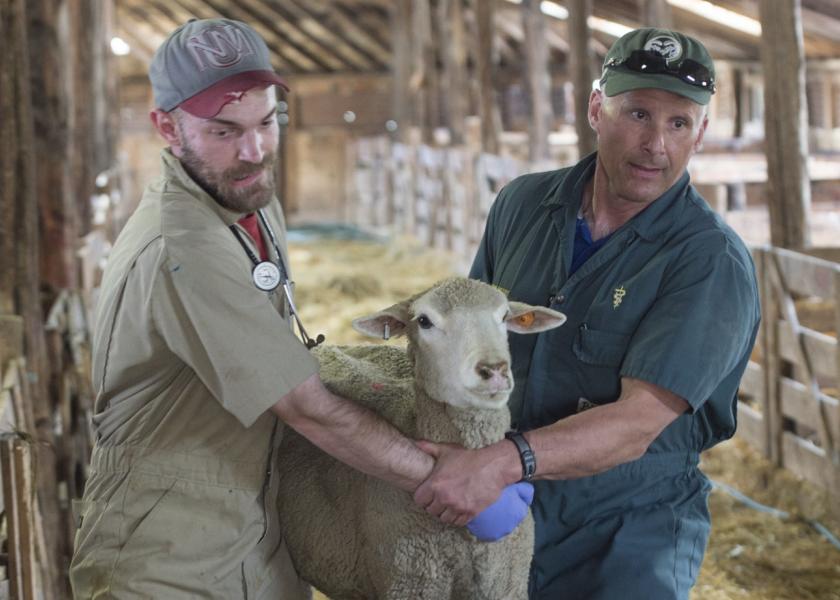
(654, 140)
(251, 147)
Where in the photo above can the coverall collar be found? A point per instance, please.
(649, 224)
(174, 172)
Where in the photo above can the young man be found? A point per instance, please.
(195, 364)
(662, 309)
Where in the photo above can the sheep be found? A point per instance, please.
(353, 536)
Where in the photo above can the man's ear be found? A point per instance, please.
(596, 100)
(698, 143)
(395, 318)
(165, 124)
(525, 318)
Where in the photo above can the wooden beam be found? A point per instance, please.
(455, 96)
(9, 204)
(424, 75)
(157, 20)
(58, 222)
(345, 31)
(403, 99)
(538, 81)
(785, 123)
(130, 24)
(655, 13)
(581, 59)
(488, 110)
(362, 31)
(312, 27)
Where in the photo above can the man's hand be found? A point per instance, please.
(465, 482)
(504, 515)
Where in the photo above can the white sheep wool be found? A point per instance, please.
(353, 536)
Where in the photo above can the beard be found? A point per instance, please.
(220, 185)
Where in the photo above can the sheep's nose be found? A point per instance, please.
(487, 370)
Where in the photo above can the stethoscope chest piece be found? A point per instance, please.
(266, 276)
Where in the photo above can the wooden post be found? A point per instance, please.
(18, 492)
(423, 80)
(79, 66)
(11, 339)
(49, 109)
(582, 76)
(487, 109)
(739, 91)
(538, 80)
(771, 411)
(785, 123)
(655, 13)
(835, 459)
(9, 234)
(401, 66)
(455, 95)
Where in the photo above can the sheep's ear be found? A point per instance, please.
(396, 317)
(525, 318)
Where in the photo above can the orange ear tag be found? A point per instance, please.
(526, 320)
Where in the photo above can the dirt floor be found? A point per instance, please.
(752, 555)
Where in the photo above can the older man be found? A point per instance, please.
(662, 309)
(194, 359)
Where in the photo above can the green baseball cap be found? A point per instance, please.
(204, 64)
(661, 59)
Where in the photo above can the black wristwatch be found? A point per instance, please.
(526, 454)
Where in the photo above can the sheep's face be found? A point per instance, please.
(457, 335)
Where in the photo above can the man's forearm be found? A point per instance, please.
(603, 437)
(586, 443)
(354, 435)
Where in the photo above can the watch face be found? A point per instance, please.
(266, 276)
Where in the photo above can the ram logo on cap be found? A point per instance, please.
(221, 46)
(666, 46)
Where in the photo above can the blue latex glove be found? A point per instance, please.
(502, 517)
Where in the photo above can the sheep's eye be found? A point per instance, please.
(424, 322)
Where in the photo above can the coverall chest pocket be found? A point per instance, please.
(599, 347)
(600, 354)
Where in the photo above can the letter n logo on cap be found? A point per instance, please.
(219, 46)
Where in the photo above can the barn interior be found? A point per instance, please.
(403, 121)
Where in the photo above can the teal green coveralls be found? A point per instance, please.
(670, 299)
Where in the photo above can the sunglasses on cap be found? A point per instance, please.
(689, 71)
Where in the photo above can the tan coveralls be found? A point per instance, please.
(188, 357)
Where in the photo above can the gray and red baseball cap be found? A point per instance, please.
(204, 64)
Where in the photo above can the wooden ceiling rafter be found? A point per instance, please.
(139, 27)
(343, 30)
(157, 22)
(374, 23)
(311, 26)
(143, 47)
(370, 41)
(329, 37)
(287, 28)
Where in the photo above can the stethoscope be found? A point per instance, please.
(268, 276)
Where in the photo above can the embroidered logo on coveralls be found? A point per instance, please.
(618, 296)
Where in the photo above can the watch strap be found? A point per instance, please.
(526, 454)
